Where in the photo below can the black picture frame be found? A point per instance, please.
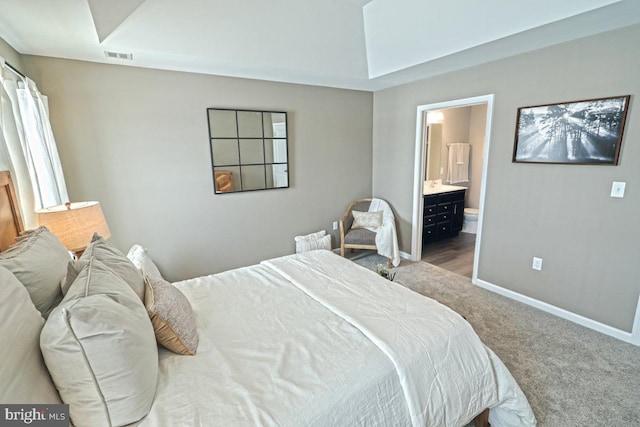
(249, 150)
(586, 132)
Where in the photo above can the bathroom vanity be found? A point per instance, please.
(443, 212)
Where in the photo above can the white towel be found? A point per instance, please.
(386, 236)
(458, 170)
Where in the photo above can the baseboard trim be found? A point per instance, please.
(560, 312)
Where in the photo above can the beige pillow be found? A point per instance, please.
(100, 349)
(366, 219)
(110, 256)
(39, 262)
(172, 317)
(23, 375)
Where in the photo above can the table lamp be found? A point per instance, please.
(74, 224)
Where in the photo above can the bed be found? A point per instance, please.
(305, 340)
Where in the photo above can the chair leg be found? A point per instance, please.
(342, 251)
(389, 265)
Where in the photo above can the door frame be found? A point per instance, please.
(420, 166)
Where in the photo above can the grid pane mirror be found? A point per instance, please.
(249, 150)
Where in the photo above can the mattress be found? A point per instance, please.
(306, 341)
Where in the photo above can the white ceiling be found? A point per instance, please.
(358, 44)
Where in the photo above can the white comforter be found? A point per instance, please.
(314, 340)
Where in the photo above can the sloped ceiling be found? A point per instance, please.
(357, 44)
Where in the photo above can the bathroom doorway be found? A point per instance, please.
(452, 146)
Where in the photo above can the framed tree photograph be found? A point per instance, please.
(585, 132)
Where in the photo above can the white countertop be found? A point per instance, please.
(440, 188)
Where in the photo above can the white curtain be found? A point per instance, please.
(28, 148)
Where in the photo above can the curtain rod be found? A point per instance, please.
(15, 70)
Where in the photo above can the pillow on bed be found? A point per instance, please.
(23, 376)
(139, 257)
(73, 269)
(100, 349)
(39, 262)
(366, 219)
(171, 315)
(114, 260)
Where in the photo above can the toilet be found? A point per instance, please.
(470, 221)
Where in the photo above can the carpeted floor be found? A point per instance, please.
(572, 376)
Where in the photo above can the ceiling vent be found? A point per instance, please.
(118, 55)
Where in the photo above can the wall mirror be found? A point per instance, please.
(249, 150)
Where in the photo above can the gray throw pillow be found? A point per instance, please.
(23, 375)
(115, 260)
(39, 262)
(100, 349)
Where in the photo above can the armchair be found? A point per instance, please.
(383, 239)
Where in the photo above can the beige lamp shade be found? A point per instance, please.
(74, 223)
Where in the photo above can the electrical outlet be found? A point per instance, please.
(335, 225)
(617, 189)
(537, 264)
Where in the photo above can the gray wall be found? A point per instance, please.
(589, 241)
(10, 55)
(137, 140)
(477, 129)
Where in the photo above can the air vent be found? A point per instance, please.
(118, 55)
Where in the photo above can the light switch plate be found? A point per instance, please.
(617, 189)
(537, 264)
(335, 225)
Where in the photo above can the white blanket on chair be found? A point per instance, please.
(386, 236)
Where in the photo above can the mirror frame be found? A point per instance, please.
(221, 174)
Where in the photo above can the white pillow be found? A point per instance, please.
(312, 245)
(366, 219)
(101, 351)
(313, 236)
(139, 257)
(23, 375)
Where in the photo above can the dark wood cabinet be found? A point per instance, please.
(443, 215)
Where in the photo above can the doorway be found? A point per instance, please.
(426, 126)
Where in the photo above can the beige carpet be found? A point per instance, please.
(572, 376)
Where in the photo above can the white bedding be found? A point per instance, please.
(286, 344)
